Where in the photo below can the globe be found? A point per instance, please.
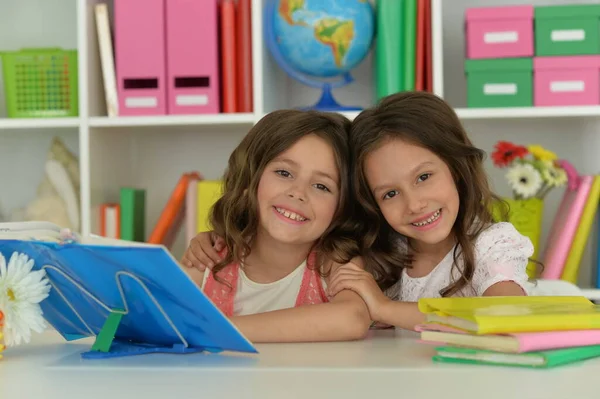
(315, 41)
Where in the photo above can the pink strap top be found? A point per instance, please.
(311, 290)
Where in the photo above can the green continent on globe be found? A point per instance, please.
(336, 34)
(287, 8)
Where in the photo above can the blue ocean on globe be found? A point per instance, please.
(323, 38)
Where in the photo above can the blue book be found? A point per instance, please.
(134, 296)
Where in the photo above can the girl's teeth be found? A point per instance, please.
(290, 215)
(432, 218)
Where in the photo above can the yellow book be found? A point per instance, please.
(571, 269)
(209, 191)
(501, 315)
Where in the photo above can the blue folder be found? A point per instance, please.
(161, 309)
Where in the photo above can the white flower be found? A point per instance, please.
(554, 177)
(524, 179)
(21, 291)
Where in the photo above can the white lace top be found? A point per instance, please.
(501, 254)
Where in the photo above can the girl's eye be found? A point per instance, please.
(283, 173)
(323, 187)
(424, 177)
(390, 194)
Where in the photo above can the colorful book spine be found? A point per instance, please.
(133, 214)
(388, 48)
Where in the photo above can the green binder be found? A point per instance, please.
(133, 214)
(410, 44)
(540, 359)
(389, 48)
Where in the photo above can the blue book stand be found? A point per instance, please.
(133, 299)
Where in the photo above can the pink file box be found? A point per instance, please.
(192, 57)
(571, 80)
(140, 56)
(499, 32)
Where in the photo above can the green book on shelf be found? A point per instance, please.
(540, 359)
(410, 44)
(388, 47)
(133, 214)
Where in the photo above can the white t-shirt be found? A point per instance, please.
(252, 297)
(501, 254)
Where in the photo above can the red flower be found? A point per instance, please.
(507, 152)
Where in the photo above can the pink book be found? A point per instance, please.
(140, 56)
(192, 57)
(513, 343)
(565, 223)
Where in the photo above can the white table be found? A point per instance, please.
(390, 363)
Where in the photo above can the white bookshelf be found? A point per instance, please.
(152, 152)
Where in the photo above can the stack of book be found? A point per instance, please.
(540, 332)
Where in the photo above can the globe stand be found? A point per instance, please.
(327, 102)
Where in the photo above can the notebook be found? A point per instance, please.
(141, 287)
(495, 315)
(541, 359)
(513, 343)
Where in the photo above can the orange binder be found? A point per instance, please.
(170, 219)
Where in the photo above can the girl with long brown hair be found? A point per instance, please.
(284, 220)
(425, 201)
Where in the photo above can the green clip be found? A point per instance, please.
(106, 335)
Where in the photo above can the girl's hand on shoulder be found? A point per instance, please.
(203, 251)
(353, 277)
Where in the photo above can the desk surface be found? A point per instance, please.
(390, 363)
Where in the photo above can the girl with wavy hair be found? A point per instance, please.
(425, 200)
(285, 227)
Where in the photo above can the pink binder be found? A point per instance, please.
(192, 57)
(140, 56)
(565, 222)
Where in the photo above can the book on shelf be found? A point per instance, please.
(133, 297)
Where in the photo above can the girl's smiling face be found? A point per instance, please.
(414, 190)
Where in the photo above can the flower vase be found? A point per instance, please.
(526, 215)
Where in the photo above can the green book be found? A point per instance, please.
(540, 359)
(388, 48)
(133, 214)
(410, 44)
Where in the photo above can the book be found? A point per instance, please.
(209, 191)
(566, 222)
(541, 359)
(138, 290)
(173, 214)
(389, 46)
(512, 343)
(571, 269)
(133, 214)
(496, 315)
(107, 62)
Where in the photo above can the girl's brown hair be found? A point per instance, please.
(235, 215)
(426, 120)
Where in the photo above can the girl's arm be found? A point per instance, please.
(345, 318)
(381, 308)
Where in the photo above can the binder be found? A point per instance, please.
(134, 298)
(192, 57)
(140, 56)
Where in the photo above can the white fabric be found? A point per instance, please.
(501, 254)
(252, 297)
